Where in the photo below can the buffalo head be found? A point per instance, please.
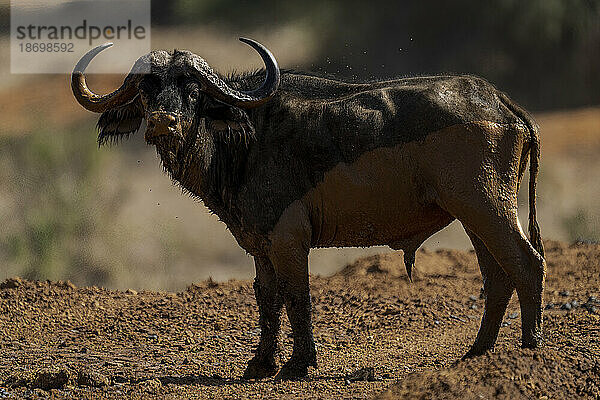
(178, 95)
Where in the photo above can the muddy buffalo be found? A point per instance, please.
(292, 161)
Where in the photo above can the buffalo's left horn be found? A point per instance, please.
(100, 103)
(216, 87)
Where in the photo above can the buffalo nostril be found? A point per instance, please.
(161, 123)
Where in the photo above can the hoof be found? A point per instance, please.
(532, 339)
(292, 371)
(258, 369)
(532, 343)
(475, 352)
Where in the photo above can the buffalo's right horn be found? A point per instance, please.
(216, 87)
(100, 103)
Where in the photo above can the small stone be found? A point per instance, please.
(473, 306)
(363, 374)
(549, 306)
(590, 307)
(575, 303)
(47, 379)
(120, 379)
(592, 299)
(131, 291)
(151, 385)
(92, 379)
(513, 315)
(436, 322)
(152, 336)
(566, 306)
(473, 298)
(564, 293)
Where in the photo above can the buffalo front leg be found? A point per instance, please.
(290, 244)
(295, 291)
(270, 304)
(498, 290)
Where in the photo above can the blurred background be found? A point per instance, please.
(110, 217)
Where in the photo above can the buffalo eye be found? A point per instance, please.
(143, 88)
(143, 96)
(193, 91)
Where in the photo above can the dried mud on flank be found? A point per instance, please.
(377, 335)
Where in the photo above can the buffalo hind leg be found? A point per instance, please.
(498, 290)
(479, 188)
(497, 225)
(526, 268)
(270, 304)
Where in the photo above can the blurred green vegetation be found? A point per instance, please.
(4, 17)
(68, 211)
(581, 226)
(54, 205)
(546, 53)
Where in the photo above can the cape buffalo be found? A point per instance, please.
(292, 161)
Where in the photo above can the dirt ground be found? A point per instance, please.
(376, 333)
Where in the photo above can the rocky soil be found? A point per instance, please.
(378, 335)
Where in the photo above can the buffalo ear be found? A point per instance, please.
(120, 122)
(230, 123)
